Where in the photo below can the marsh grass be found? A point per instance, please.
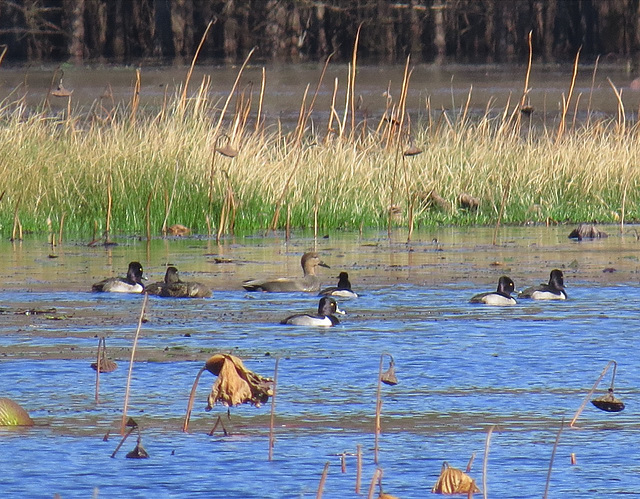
(62, 167)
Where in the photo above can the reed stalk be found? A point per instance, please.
(183, 99)
(567, 101)
(107, 230)
(135, 98)
(61, 229)
(133, 354)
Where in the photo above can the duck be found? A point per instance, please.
(327, 307)
(132, 283)
(554, 290)
(173, 287)
(500, 297)
(342, 290)
(309, 283)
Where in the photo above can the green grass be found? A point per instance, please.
(52, 166)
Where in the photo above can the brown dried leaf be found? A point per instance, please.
(454, 481)
(236, 384)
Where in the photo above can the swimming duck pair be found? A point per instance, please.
(172, 286)
(309, 283)
(553, 290)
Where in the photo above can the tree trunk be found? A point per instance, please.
(439, 39)
(76, 42)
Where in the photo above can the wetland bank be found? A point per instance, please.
(124, 171)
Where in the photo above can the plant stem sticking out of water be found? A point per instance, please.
(133, 353)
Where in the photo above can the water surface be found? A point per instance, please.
(462, 368)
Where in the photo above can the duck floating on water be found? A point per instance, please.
(500, 297)
(173, 287)
(309, 283)
(554, 290)
(132, 283)
(327, 308)
(342, 290)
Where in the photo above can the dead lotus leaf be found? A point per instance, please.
(454, 481)
(236, 384)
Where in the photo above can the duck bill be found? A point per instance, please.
(341, 312)
(322, 264)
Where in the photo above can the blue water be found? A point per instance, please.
(461, 368)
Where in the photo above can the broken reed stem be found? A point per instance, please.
(323, 479)
(624, 200)
(109, 205)
(377, 475)
(147, 212)
(135, 98)
(285, 189)
(525, 92)
(98, 366)
(593, 389)
(124, 437)
(505, 195)
(485, 462)
(273, 409)
(352, 82)
(358, 467)
(565, 103)
(233, 89)
(173, 191)
(621, 116)
(553, 455)
(4, 52)
(61, 228)
(183, 99)
(261, 100)
(593, 84)
(133, 353)
(192, 396)
(17, 227)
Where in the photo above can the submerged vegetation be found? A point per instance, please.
(217, 168)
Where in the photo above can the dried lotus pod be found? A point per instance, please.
(454, 481)
(608, 402)
(106, 365)
(12, 414)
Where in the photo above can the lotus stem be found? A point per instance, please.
(553, 455)
(358, 467)
(485, 462)
(133, 353)
(125, 436)
(379, 406)
(98, 366)
(273, 409)
(323, 479)
(593, 389)
(192, 396)
(376, 478)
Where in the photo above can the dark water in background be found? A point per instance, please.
(492, 87)
(461, 368)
